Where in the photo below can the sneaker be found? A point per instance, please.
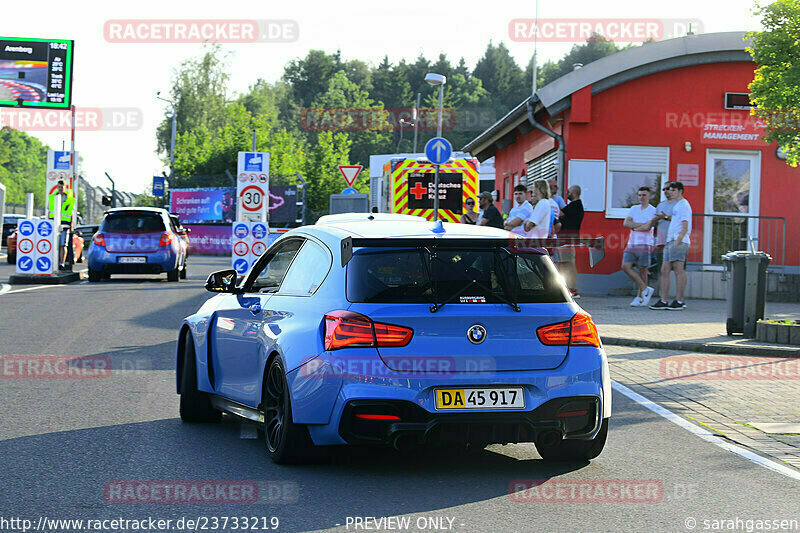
(646, 295)
(660, 305)
(637, 302)
(676, 306)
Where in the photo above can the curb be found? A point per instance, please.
(711, 347)
(60, 278)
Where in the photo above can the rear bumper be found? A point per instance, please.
(108, 263)
(570, 417)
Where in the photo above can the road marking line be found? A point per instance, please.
(4, 287)
(33, 288)
(705, 434)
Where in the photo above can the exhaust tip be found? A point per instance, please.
(549, 438)
(403, 441)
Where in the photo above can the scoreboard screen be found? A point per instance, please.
(35, 73)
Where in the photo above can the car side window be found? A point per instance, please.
(308, 270)
(274, 269)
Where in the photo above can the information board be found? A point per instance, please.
(35, 73)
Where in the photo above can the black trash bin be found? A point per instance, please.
(747, 290)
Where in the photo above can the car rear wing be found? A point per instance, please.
(596, 245)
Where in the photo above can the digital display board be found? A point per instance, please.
(196, 206)
(36, 73)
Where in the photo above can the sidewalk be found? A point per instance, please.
(753, 401)
(700, 327)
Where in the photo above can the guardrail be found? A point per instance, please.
(716, 234)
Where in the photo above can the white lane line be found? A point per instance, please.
(704, 433)
(33, 288)
(4, 287)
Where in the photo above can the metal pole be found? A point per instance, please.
(254, 140)
(171, 143)
(74, 179)
(416, 122)
(29, 206)
(113, 191)
(439, 118)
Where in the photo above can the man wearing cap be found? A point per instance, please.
(491, 216)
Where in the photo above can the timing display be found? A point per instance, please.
(35, 73)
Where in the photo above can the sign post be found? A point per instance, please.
(250, 229)
(438, 151)
(158, 185)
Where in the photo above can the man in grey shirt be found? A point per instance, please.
(663, 217)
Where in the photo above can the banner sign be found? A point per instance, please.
(282, 204)
(36, 246)
(197, 206)
(58, 168)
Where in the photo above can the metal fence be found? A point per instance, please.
(94, 208)
(714, 235)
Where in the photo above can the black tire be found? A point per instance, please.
(195, 405)
(576, 450)
(174, 275)
(95, 275)
(11, 259)
(287, 442)
(183, 271)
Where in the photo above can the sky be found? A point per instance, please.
(122, 78)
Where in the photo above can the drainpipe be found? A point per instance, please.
(562, 148)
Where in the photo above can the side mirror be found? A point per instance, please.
(222, 281)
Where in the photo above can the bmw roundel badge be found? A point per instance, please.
(476, 334)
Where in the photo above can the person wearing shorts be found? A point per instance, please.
(640, 246)
(675, 250)
(570, 227)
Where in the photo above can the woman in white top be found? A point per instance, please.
(538, 225)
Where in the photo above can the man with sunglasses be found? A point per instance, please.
(661, 221)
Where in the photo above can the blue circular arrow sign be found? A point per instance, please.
(438, 150)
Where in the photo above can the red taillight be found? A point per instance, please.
(99, 240)
(378, 417)
(166, 238)
(567, 414)
(345, 329)
(580, 331)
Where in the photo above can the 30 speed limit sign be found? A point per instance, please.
(252, 198)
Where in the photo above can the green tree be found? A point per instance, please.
(775, 90)
(321, 172)
(199, 91)
(502, 78)
(596, 47)
(22, 166)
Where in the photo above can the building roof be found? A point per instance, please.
(610, 71)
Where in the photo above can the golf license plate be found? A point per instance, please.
(132, 260)
(472, 398)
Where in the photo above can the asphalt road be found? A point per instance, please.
(67, 444)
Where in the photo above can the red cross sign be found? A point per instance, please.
(418, 190)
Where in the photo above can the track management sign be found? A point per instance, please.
(35, 73)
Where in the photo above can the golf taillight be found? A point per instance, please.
(346, 329)
(579, 331)
(166, 238)
(377, 417)
(99, 240)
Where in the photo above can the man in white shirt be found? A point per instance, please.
(640, 246)
(521, 212)
(680, 227)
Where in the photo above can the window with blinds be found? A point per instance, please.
(631, 167)
(543, 167)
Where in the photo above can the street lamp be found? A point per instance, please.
(403, 122)
(172, 137)
(437, 79)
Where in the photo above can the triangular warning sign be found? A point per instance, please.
(350, 172)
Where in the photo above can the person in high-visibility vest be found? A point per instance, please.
(67, 205)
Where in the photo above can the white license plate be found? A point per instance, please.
(490, 398)
(132, 260)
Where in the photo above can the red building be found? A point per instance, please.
(676, 110)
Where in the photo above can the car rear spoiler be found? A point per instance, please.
(596, 245)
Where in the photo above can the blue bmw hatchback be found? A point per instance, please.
(391, 330)
(137, 240)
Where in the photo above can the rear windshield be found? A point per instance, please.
(454, 275)
(133, 222)
(12, 220)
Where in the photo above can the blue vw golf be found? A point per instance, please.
(392, 330)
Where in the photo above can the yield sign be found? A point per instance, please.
(350, 172)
